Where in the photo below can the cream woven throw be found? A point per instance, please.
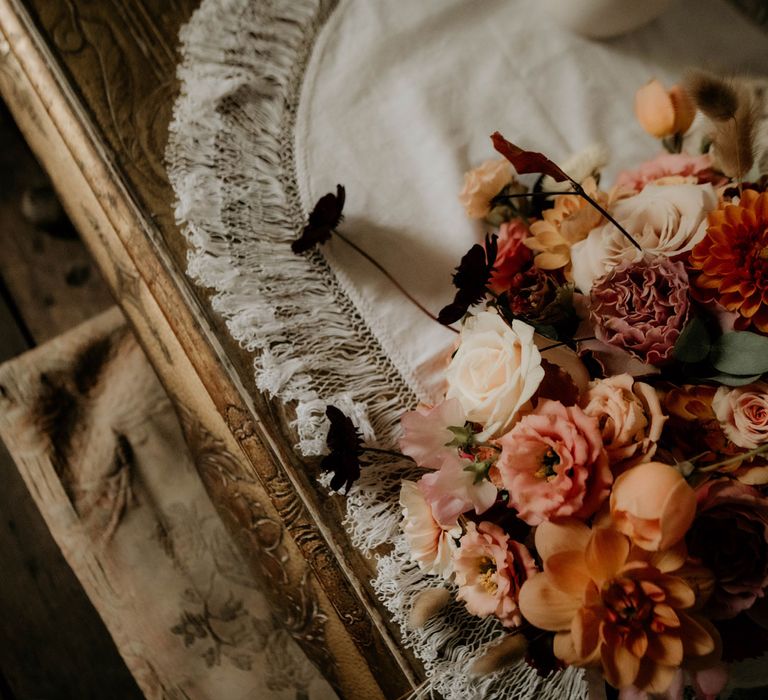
(395, 99)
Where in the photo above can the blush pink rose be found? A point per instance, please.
(452, 490)
(553, 464)
(512, 255)
(482, 184)
(630, 418)
(667, 165)
(490, 570)
(743, 414)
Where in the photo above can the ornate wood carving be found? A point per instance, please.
(235, 492)
(138, 245)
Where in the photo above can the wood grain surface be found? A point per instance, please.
(92, 85)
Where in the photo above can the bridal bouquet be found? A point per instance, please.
(595, 475)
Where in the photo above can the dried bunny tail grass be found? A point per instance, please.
(730, 106)
(716, 97)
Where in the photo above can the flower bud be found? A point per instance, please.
(663, 112)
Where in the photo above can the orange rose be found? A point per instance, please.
(653, 505)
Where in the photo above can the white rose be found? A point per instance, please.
(495, 371)
(663, 219)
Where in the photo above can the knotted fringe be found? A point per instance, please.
(231, 163)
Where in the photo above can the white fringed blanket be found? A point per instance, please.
(282, 100)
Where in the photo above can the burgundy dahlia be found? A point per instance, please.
(642, 307)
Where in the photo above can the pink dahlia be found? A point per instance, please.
(668, 167)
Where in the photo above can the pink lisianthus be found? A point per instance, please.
(512, 255)
(680, 166)
(426, 434)
(553, 464)
(452, 490)
(431, 544)
(490, 570)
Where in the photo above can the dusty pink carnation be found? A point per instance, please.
(642, 307)
(553, 464)
(730, 536)
(667, 165)
(743, 414)
(512, 254)
(451, 491)
(490, 569)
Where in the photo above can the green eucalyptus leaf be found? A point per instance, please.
(741, 353)
(732, 379)
(694, 342)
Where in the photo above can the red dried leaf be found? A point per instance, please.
(527, 161)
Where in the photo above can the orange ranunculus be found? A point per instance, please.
(653, 505)
(663, 112)
(733, 257)
(568, 222)
(615, 607)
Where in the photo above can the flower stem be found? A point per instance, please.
(580, 191)
(745, 456)
(565, 342)
(392, 453)
(381, 269)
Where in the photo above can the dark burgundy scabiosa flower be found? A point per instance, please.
(540, 297)
(730, 537)
(642, 307)
(344, 449)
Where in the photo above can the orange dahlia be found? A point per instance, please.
(733, 257)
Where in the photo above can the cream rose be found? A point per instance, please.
(743, 414)
(629, 415)
(663, 219)
(494, 372)
(482, 184)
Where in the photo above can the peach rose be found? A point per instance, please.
(663, 112)
(665, 220)
(653, 505)
(494, 372)
(613, 606)
(743, 414)
(490, 569)
(482, 184)
(629, 415)
(431, 544)
(553, 464)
